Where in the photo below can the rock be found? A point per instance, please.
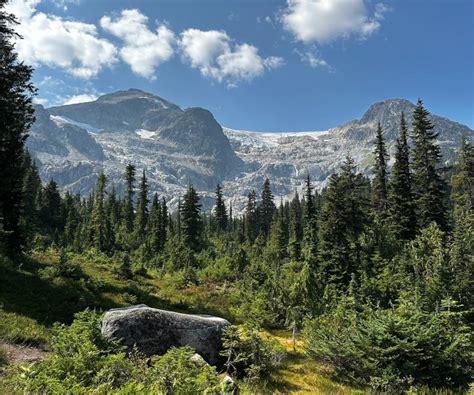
(229, 386)
(153, 331)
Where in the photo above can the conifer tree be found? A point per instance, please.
(98, 219)
(50, 208)
(429, 187)
(402, 219)
(154, 222)
(128, 209)
(343, 218)
(141, 215)
(191, 221)
(310, 221)
(277, 242)
(379, 183)
(164, 222)
(251, 217)
(220, 211)
(32, 193)
(16, 117)
(463, 180)
(266, 208)
(295, 229)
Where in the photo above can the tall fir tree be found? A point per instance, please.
(128, 207)
(98, 226)
(344, 216)
(16, 117)
(191, 221)
(379, 183)
(310, 221)
(220, 212)
(153, 226)
(251, 217)
(402, 219)
(428, 186)
(266, 208)
(295, 229)
(141, 215)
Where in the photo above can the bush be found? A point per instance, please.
(19, 329)
(3, 357)
(249, 354)
(391, 349)
(83, 362)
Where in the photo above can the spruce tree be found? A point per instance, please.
(463, 179)
(266, 208)
(220, 211)
(251, 217)
(310, 221)
(429, 188)
(50, 208)
(141, 215)
(164, 222)
(343, 218)
(32, 193)
(153, 226)
(128, 209)
(191, 221)
(98, 219)
(379, 183)
(16, 117)
(295, 229)
(402, 219)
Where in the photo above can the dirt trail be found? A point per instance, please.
(19, 354)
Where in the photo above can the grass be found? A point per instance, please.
(19, 329)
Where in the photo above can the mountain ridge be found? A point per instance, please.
(179, 146)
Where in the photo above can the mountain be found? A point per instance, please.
(176, 146)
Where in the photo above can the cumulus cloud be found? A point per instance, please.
(144, 50)
(321, 21)
(314, 60)
(215, 56)
(57, 42)
(83, 98)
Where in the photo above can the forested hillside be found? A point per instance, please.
(365, 285)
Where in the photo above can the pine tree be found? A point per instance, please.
(191, 221)
(98, 218)
(277, 242)
(154, 228)
(16, 117)
(32, 193)
(220, 211)
(251, 217)
(50, 208)
(266, 208)
(295, 229)
(379, 183)
(141, 215)
(429, 188)
(402, 219)
(128, 209)
(343, 219)
(164, 222)
(463, 180)
(310, 221)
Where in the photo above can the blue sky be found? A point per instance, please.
(257, 65)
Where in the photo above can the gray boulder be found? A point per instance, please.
(153, 331)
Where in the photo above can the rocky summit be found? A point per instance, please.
(72, 144)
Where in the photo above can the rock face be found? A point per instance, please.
(154, 331)
(75, 143)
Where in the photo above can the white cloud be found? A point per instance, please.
(57, 42)
(41, 100)
(83, 98)
(322, 21)
(214, 55)
(313, 59)
(143, 49)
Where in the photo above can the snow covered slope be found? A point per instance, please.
(176, 146)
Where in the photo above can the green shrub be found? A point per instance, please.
(83, 362)
(19, 329)
(249, 354)
(392, 349)
(3, 357)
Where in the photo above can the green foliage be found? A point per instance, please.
(249, 354)
(83, 362)
(19, 329)
(391, 349)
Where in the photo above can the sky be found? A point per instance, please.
(263, 65)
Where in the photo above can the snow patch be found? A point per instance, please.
(61, 121)
(145, 134)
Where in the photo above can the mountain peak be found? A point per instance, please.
(380, 111)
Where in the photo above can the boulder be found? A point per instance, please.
(153, 331)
